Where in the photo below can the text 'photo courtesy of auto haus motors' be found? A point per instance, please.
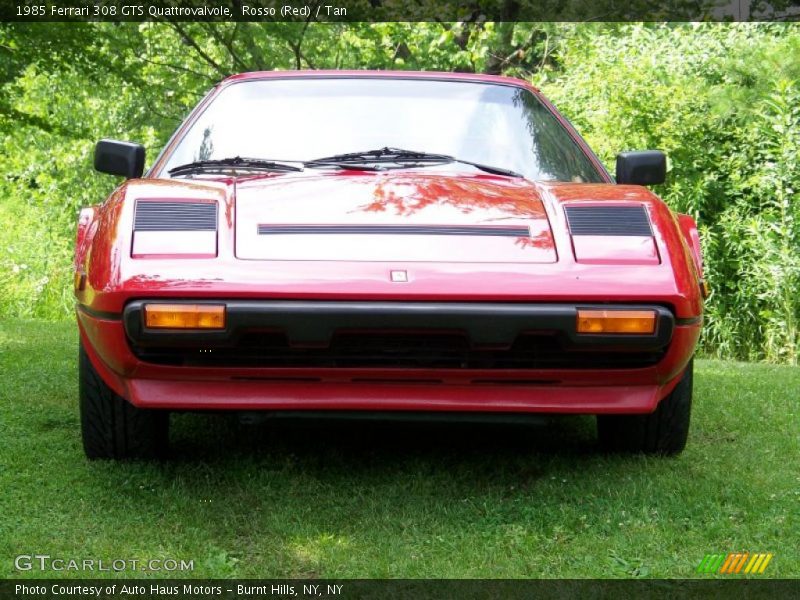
(383, 241)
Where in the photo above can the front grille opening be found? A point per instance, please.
(418, 350)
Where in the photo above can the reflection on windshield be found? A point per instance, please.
(300, 119)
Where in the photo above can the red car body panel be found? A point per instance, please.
(550, 266)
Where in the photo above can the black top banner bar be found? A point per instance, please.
(399, 10)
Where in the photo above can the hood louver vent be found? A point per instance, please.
(159, 215)
(608, 220)
(473, 230)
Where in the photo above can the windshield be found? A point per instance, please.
(302, 119)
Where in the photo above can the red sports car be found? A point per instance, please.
(394, 242)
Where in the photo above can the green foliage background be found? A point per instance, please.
(723, 100)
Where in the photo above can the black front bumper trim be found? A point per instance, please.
(313, 323)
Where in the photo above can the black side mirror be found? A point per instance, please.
(119, 158)
(644, 167)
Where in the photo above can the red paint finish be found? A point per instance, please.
(548, 266)
(252, 395)
(411, 198)
(178, 244)
(690, 233)
(114, 278)
(84, 234)
(619, 250)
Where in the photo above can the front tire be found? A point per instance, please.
(664, 431)
(111, 426)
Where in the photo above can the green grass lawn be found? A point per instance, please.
(388, 500)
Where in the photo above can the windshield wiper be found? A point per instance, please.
(237, 162)
(399, 157)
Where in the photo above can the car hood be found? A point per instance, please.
(402, 216)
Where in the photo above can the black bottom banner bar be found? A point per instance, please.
(416, 589)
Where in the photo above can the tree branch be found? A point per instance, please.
(41, 123)
(498, 64)
(297, 48)
(495, 64)
(254, 50)
(228, 44)
(175, 67)
(190, 41)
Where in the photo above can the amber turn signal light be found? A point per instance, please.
(705, 288)
(617, 321)
(184, 316)
(80, 281)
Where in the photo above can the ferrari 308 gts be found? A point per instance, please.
(392, 243)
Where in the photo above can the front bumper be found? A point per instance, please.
(460, 335)
(205, 370)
